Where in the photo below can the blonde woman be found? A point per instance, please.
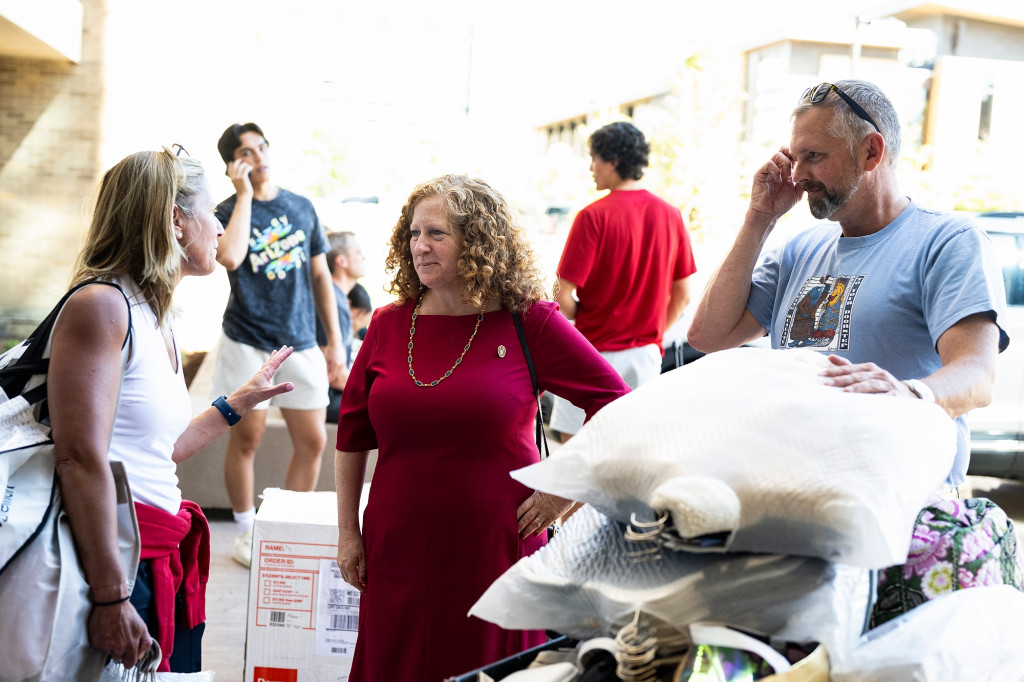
(153, 224)
(441, 388)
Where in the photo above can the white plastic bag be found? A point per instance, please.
(114, 672)
(973, 634)
(752, 444)
(584, 584)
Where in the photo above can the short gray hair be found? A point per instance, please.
(851, 127)
(340, 243)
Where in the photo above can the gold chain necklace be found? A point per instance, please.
(412, 332)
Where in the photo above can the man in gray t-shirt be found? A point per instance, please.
(274, 251)
(906, 302)
(346, 263)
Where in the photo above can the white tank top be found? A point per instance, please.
(154, 410)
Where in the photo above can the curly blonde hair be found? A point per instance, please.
(495, 261)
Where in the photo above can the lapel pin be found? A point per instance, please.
(501, 351)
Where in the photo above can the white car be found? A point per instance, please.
(997, 431)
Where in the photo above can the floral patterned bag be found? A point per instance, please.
(956, 544)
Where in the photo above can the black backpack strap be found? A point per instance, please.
(541, 437)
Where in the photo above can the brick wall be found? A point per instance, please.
(50, 121)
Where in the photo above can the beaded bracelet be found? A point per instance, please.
(112, 603)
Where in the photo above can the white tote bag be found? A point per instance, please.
(43, 633)
(46, 598)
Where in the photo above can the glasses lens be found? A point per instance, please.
(819, 92)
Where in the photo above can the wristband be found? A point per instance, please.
(221, 404)
(112, 603)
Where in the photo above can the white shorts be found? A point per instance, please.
(236, 363)
(634, 365)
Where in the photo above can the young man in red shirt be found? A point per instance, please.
(628, 260)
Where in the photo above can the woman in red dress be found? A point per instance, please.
(441, 389)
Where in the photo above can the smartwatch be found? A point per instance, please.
(221, 404)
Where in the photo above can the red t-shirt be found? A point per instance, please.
(623, 253)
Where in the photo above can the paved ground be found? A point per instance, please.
(224, 643)
(226, 605)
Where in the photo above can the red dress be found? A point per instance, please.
(440, 525)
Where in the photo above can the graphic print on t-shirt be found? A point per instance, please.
(819, 316)
(277, 249)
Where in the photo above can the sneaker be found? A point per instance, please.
(242, 553)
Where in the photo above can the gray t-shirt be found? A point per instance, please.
(885, 298)
(344, 321)
(271, 302)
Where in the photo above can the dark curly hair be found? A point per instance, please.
(495, 261)
(624, 145)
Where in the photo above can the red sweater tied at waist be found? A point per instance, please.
(179, 547)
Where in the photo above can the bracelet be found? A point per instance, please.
(112, 603)
(221, 404)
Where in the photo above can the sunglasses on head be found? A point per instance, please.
(178, 149)
(821, 90)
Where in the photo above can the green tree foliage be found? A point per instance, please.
(324, 165)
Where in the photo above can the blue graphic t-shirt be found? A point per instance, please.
(884, 298)
(271, 301)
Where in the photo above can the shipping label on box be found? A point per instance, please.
(302, 617)
(337, 620)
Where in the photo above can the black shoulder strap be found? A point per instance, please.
(14, 377)
(536, 389)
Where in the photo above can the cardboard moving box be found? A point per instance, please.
(302, 617)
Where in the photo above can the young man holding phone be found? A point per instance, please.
(274, 251)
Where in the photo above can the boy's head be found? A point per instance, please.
(231, 139)
(622, 145)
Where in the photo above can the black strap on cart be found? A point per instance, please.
(515, 662)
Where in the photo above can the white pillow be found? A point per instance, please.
(751, 443)
(584, 585)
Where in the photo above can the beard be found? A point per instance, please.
(831, 200)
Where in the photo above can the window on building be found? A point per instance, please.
(570, 132)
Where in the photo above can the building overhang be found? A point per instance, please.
(892, 35)
(1005, 12)
(41, 29)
